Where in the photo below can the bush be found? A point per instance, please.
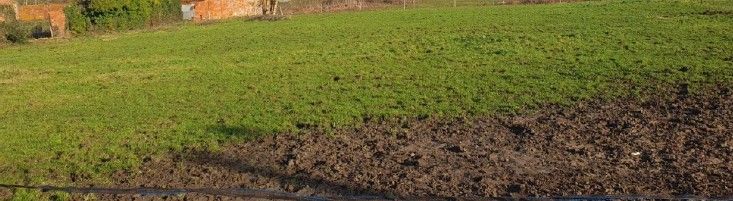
(165, 11)
(3, 40)
(78, 23)
(15, 32)
(121, 14)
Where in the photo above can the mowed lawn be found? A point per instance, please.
(95, 105)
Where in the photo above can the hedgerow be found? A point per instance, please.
(78, 23)
(103, 15)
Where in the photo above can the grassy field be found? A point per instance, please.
(95, 105)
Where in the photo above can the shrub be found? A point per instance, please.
(122, 14)
(3, 40)
(119, 14)
(165, 11)
(15, 32)
(78, 23)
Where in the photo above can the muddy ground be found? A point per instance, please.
(672, 144)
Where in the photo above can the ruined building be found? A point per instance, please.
(202, 10)
(53, 13)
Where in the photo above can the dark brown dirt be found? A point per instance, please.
(673, 145)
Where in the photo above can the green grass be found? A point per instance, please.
(94, 105)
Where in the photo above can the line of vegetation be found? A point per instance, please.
(104, 15)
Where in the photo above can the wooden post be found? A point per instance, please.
(50, 24)
(454, 3)
(404, 4)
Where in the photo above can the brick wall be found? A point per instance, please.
(57, 18)
(222, 9)
(38, 12)
(7, 2)
(53, 13)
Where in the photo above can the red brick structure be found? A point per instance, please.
(53, 13)
(57, 18)
(8, 2)
(222, 9)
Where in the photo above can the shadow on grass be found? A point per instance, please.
(238, 131)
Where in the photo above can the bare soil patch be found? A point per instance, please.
(671, 144)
